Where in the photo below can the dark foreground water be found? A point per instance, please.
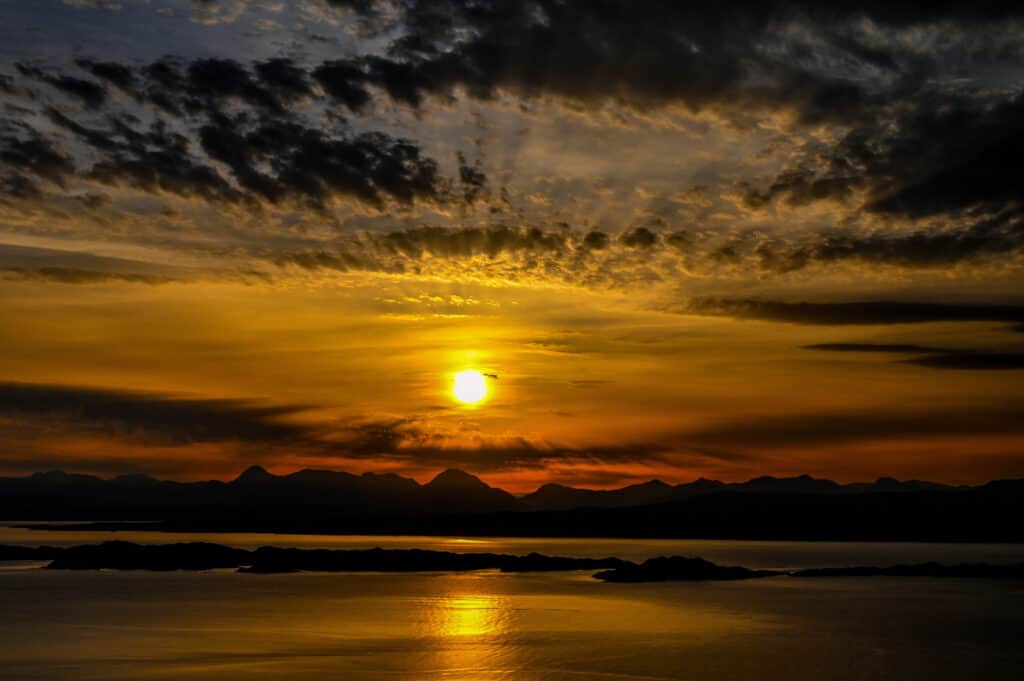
(483, 626)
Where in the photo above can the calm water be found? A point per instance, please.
(483, 626)
(220, 625)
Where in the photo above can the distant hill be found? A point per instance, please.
(457, 491)
(553, 496)
(256, 492)
(559, 497)
(456, 502)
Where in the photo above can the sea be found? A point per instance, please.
(482, 626)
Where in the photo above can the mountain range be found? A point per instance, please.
(56, 493)
(553, 496)
(456, 502)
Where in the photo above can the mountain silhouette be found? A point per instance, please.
(455, 491)
(802, 484)
(457, 502)
(255, 492)
(696, 488)
(254, 475)
(553, 496)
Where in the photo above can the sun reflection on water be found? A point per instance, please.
(470, 615)
(470, 630)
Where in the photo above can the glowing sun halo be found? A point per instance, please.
(470, 386)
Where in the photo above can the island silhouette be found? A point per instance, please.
(202, 556)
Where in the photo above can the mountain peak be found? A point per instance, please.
(254, 474)
(554, 486)
(651, 484)
(61, 477)
(453, 477)
(701, 483)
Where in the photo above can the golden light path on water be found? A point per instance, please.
(485, 626)
(471, 628)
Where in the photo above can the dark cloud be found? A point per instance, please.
(374, 438)
(340, 261)
(345, 82)
(641, 237)
(856, 426)
(89, 93)
(910, 148)
(952, 152)
(933, 357)
(646, 53)
(152, 417)
(922, 248)
(472, 179)
(899, 348)
(18, 187)
(867, 312)
(28, 263)
(534, 49)
(287, 81)
(270, 160)
(594, 258)
(521, 454)
(120, 76)
(311, 164)
(69, 275)
(104, 5)
(179, 87)
(363, 7)
(680, 240)
(973, 361)
(943, 154)
(954, 156)
(25, 152)
(217, 79)
(165, 419)
(471, 241)
(165, 82)
(159, 160)
(405, 442)
(273, 153)
(595, 241)
(650, 53)
(401, 250)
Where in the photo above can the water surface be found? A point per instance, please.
(220, 626)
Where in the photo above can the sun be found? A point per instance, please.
(469, 386)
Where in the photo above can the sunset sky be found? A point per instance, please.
(681, 239)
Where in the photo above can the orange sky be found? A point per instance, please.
(228, 237)
(590, 389)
